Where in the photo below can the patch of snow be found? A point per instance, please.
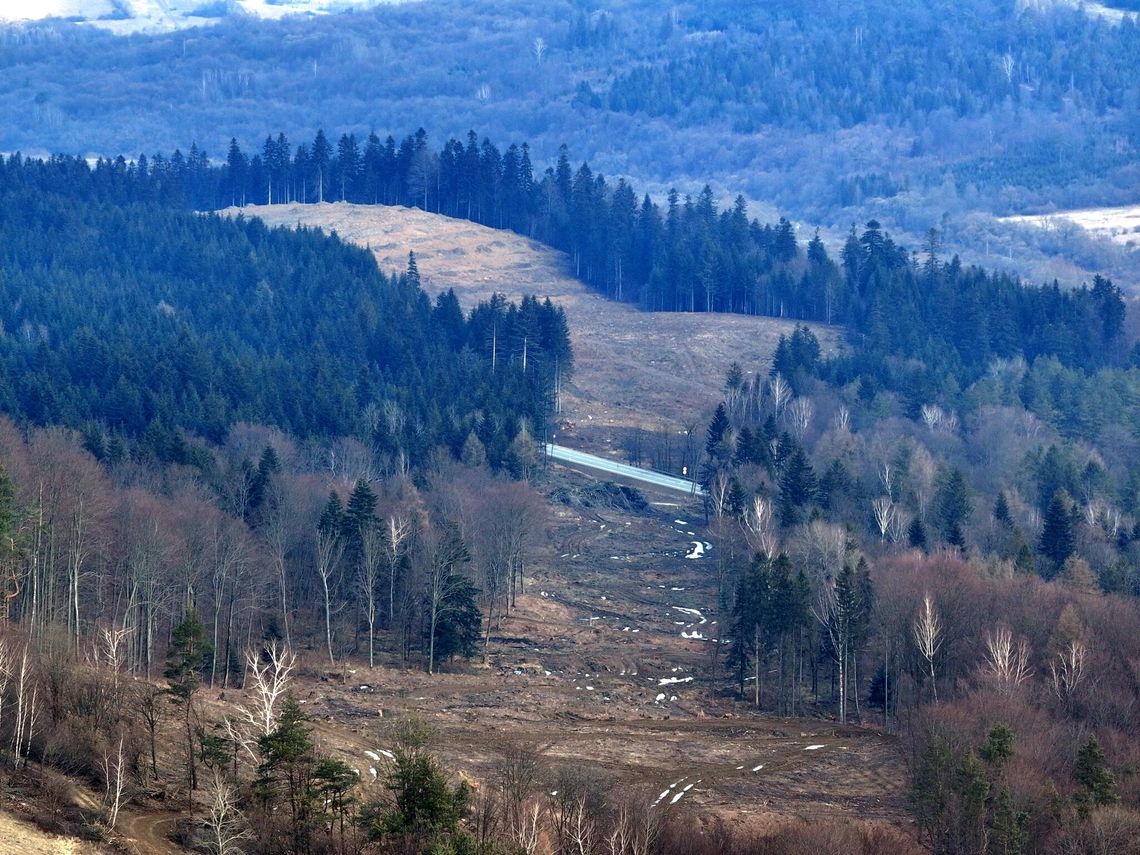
(669, 681)
(660, 697)
(697, 551)
(680, 522)
(372, 772)
(694, 612)
(758, 768)
(372, 755)
(693, 636)
(813, 748)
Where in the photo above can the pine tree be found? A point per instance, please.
(413, 272)
(954, 507)
(1091, 771)
(1057, 538)
(797, 487)
(285, 773)
(718, 427)
(188, 655)
(916, 534)
(1001, 510)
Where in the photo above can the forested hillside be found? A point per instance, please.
(688, 257)
(917, 116)
(130, 320)
(933, 532)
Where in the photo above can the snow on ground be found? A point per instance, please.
(676, 794)
(694, 612)
(813, 748)
(1120, 225)
(669, 681)
(699, 548)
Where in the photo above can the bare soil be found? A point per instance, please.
(593, 667)
(633, 369)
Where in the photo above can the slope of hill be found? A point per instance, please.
(633, 369)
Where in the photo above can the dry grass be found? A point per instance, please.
(654, 370)
(18, 837)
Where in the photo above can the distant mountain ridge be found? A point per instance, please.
(133, 16)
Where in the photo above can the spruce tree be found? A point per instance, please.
(188, 655)
(1057, 539)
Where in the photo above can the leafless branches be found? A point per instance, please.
(800, 411)
(928, 632)
(1006, 662)
(758, 523)
(223, 826)
(114, 777)
(886, 515)
(1067, 670)
(268, 676)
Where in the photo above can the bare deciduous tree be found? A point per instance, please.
(843, 418)
(329, 550)
(932, 416)
(114, 778)
(633, 827)
(780, 393)
(223, 827)
(923, 474)
(1007, 662)
(1006, 64)
(268, 673)
(1067, 670)
(928, 632)
(517, 778)
(758, 523)
(800, 411)
(885, 516)
(371, 554)
(397, 536)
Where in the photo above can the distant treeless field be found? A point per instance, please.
(654, 370)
